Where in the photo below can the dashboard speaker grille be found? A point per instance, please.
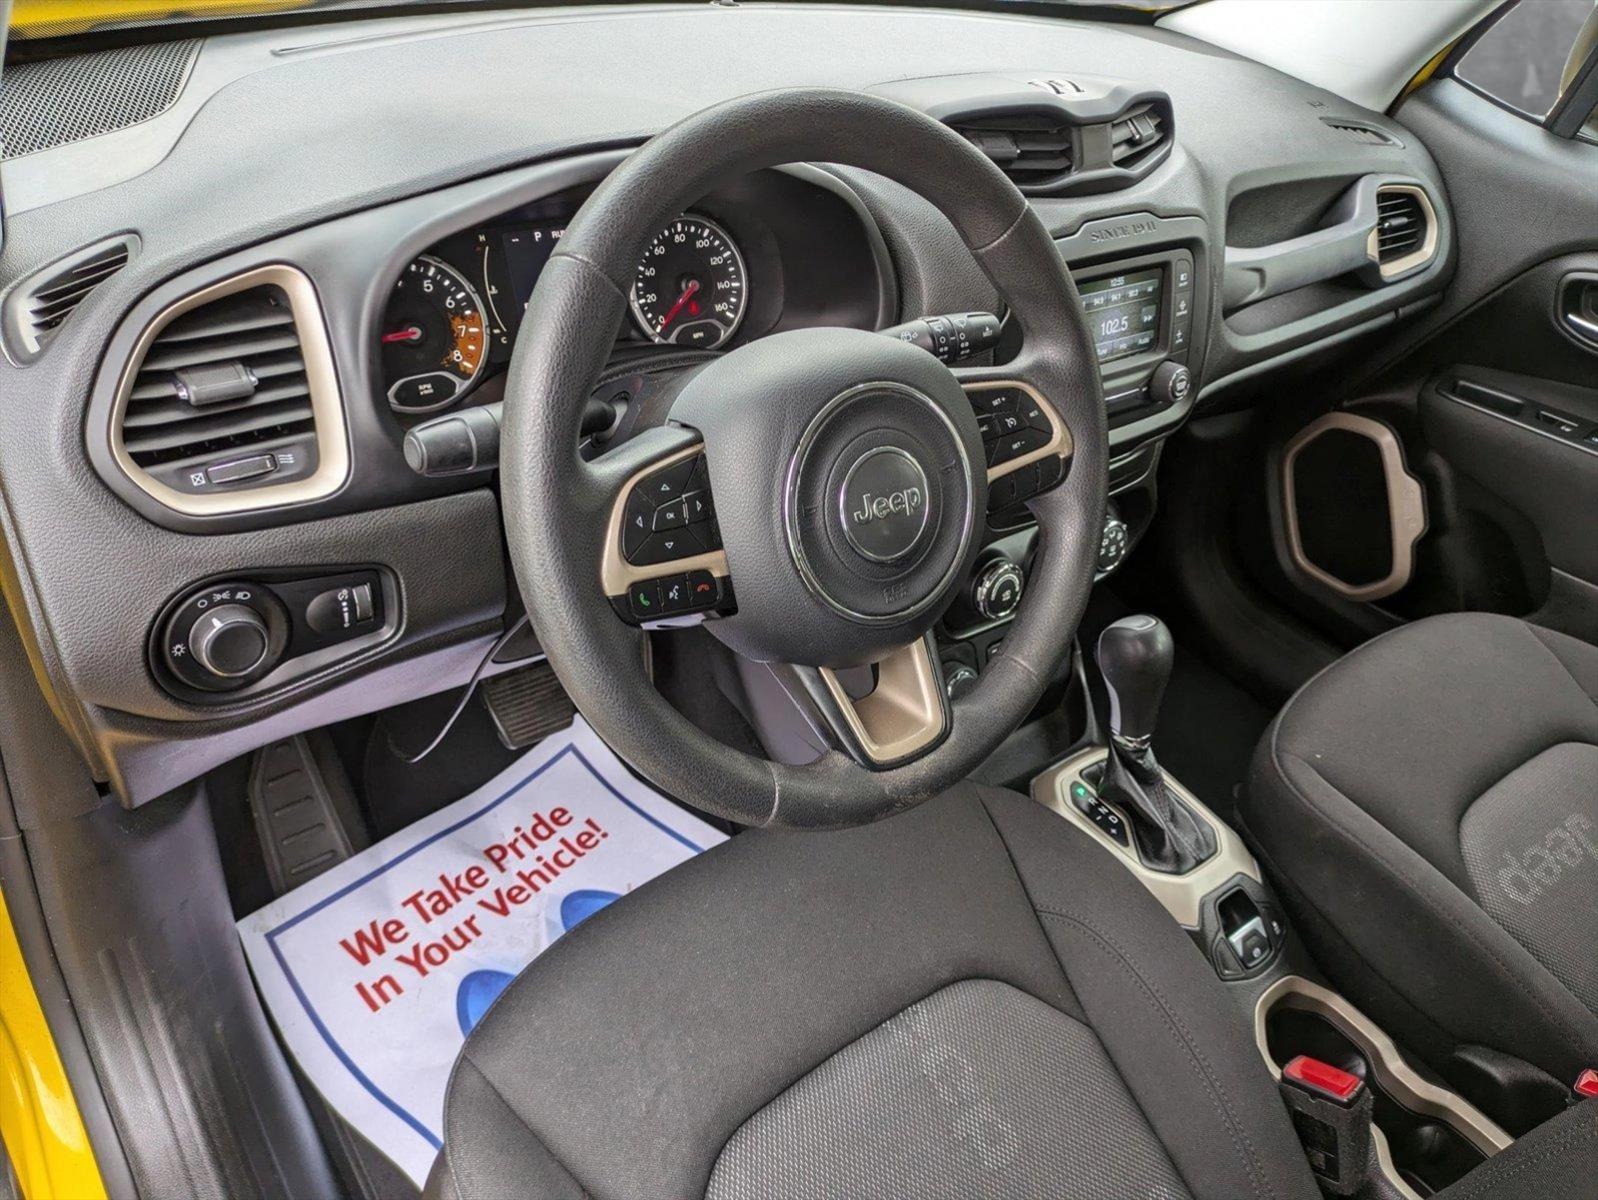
(224, 376)
(62, 100)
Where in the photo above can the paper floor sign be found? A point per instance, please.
(375, 971)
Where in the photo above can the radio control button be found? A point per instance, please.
(994, 400)
(666, 547)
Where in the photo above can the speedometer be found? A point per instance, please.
(690, 288)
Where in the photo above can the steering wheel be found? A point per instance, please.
(847, 472)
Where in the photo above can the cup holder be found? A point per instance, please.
(1426, 1137)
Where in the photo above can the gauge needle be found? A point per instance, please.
(411, 333)
(682, 300)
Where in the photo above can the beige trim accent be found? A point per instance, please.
(327, 405)
(1397, 1078)
(1060, 443)
(903, 714)
(616, 574)
(1182, 895)
(1389, 1170)
(1428, 245)
(1406, 505)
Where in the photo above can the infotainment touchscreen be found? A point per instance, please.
(1123, 312)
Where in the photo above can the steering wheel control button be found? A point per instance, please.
(672, 515)
(669, 515)
(997, 591)
(883, 504)
(229, 641)
(643, 600)
(993, 401)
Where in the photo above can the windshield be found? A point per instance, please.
(67, 18)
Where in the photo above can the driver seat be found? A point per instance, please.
(967, 1000)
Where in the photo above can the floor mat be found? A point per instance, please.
(375, 971)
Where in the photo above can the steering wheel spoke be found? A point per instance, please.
(884, 714)
(662, 562)
(1027, 442)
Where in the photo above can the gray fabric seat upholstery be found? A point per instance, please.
(1428, 805)
(967, 1000)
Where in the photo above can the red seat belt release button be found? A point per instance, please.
(1586, 1085)
(1323, 1079)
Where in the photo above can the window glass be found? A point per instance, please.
(1520, 61)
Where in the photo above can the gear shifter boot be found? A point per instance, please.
(1135, 654)
(1170, 837)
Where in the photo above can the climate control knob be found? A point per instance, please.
(997, 591)
(1171, 383)
(229, 641)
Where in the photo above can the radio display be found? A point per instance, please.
(1123, 312)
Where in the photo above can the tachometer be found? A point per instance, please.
(691, 287)
(434, 337)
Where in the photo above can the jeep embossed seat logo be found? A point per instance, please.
(883, 505)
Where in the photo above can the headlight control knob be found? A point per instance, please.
(997, 591)
(229, 640)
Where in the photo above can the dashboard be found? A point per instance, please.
(228, 407)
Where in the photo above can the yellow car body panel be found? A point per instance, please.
(39, 1120)
(62, 18)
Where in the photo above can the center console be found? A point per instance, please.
(1142, 279)
(1372, 1126)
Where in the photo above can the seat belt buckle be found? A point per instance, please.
(1585, 1088)
(1331, 1110)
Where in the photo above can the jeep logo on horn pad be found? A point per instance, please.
(882, 505)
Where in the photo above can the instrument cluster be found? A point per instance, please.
(453, 314)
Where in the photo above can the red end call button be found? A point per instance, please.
(1323, 1078)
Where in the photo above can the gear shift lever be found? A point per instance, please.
(1135, 655)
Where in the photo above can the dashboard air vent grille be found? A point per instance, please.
(225, 375)
(1401, 225)
(45, 303)
(1135, 135)
(1033, 149)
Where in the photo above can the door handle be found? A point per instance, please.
(1576, 308)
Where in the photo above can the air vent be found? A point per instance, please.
(40, 305)
(231, 402)
(1405, 236)
(223, 377)
(1365, 135)
(1136, 135)
(1034, 149)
